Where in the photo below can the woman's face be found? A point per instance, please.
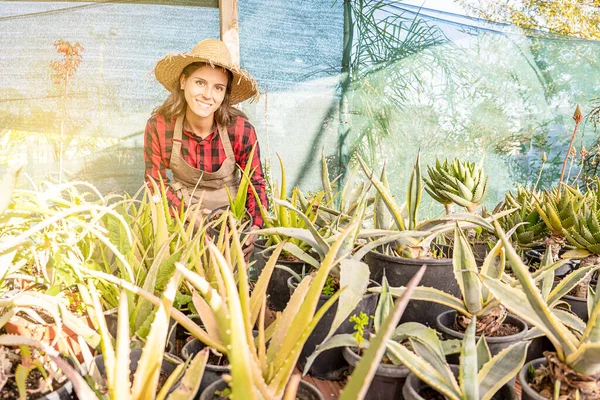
(204, 90)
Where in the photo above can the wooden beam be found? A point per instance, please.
(230, 30)
(186, 3)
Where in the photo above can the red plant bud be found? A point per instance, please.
(578, 116)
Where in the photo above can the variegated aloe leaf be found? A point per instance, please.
(384, 305)
(569, 282)
(414, 193)
(386, 196)
(190, 383)
(341, 340)
(361, 378)
(465, 273)
(467, 370)
(500, 369)
(528, 302)
(429, 294)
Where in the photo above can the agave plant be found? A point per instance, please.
(480, 376)
(574, 366)
(457, 182)
(531, 228)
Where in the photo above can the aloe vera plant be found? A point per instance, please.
(457, 182)
(480, 375)
(574, 366)
(229, 312)
(534, 231)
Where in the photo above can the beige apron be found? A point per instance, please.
(193, 185)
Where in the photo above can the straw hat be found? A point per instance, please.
(212, 51)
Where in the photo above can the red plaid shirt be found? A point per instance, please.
(206, 154)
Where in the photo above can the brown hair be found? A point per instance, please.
(175, 104)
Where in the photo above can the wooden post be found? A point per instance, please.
(230, 31)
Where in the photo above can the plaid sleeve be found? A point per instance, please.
(155, 160)
(257, 179)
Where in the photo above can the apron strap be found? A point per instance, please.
(226, 142)
(176, 149)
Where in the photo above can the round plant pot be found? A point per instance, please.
(537, 347)
(259, 259)
(306, 391)
(278, 291)
(212, 372)
(330, 364)
(388, 380)
(134, 357)
(445, 321)
(527, 392)
(65, 392)
(578, 306)
(398, 271)
(414, 385)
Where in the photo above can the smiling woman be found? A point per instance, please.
(198, 134)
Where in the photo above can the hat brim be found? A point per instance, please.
(169, 68)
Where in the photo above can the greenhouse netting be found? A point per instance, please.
(409, 78)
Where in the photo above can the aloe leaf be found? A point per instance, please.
(301, 254)
(425, 371)
(118, 387)
(386, 196)
(465, 272)
(433, 356)
(586, 360)
(307, 309)
(569, 282)
(415, 191)
(467, 370)
(384, 240)
(296, 233)
(493, 266)
(571, 320)
(361, 377)
(501, 369)
(483, 352)
(341, 340)
(260, 288)
(384, 305)
(354, 276)
(518, 303)
(207, 316)
(234, 321)
(190, 383)
(437, 296)
(108, 352)
(145, 381)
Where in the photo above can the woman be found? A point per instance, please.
(199, 136)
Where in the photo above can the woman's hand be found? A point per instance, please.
(249, 243)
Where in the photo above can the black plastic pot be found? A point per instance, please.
(278, 291)
(414, 385)
(259, 259)
(331, 364)
(537, 347)
(65, 392)
(212, 372)
(306, 391)
(445, 321)
(527, 393)
(399, 271)
(535, 255)
(134, 357)
(578, 306)
(388, 380)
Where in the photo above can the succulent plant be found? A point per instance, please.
(574, 366)
(534, 230)
(457, 182)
